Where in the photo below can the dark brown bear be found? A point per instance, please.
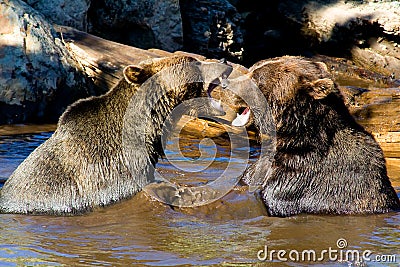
(98, 155)
(325, 163)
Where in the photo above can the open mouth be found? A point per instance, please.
(242, 118)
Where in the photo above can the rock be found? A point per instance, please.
(366, 31)
(347, 73)
(38, 76)
(266, 33)
(377, 109)
(327, 20)
(378, 60)
(140, 23)
(212, 28)
(62, 12)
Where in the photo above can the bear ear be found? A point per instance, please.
(134, 74)
(321, 88)
(322, 66)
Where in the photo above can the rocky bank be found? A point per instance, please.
(38, 75)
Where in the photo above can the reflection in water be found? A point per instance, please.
(143, 232)
(15, 148)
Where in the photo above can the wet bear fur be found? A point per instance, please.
(83, 165)
(325, 162)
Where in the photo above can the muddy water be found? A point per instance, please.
(144, 232)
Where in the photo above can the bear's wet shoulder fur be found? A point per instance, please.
(325, 162)
(83, 165)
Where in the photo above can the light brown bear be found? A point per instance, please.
(325, 162)
(98, 155)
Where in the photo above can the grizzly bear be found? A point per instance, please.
(104, 148)
(325, 162)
